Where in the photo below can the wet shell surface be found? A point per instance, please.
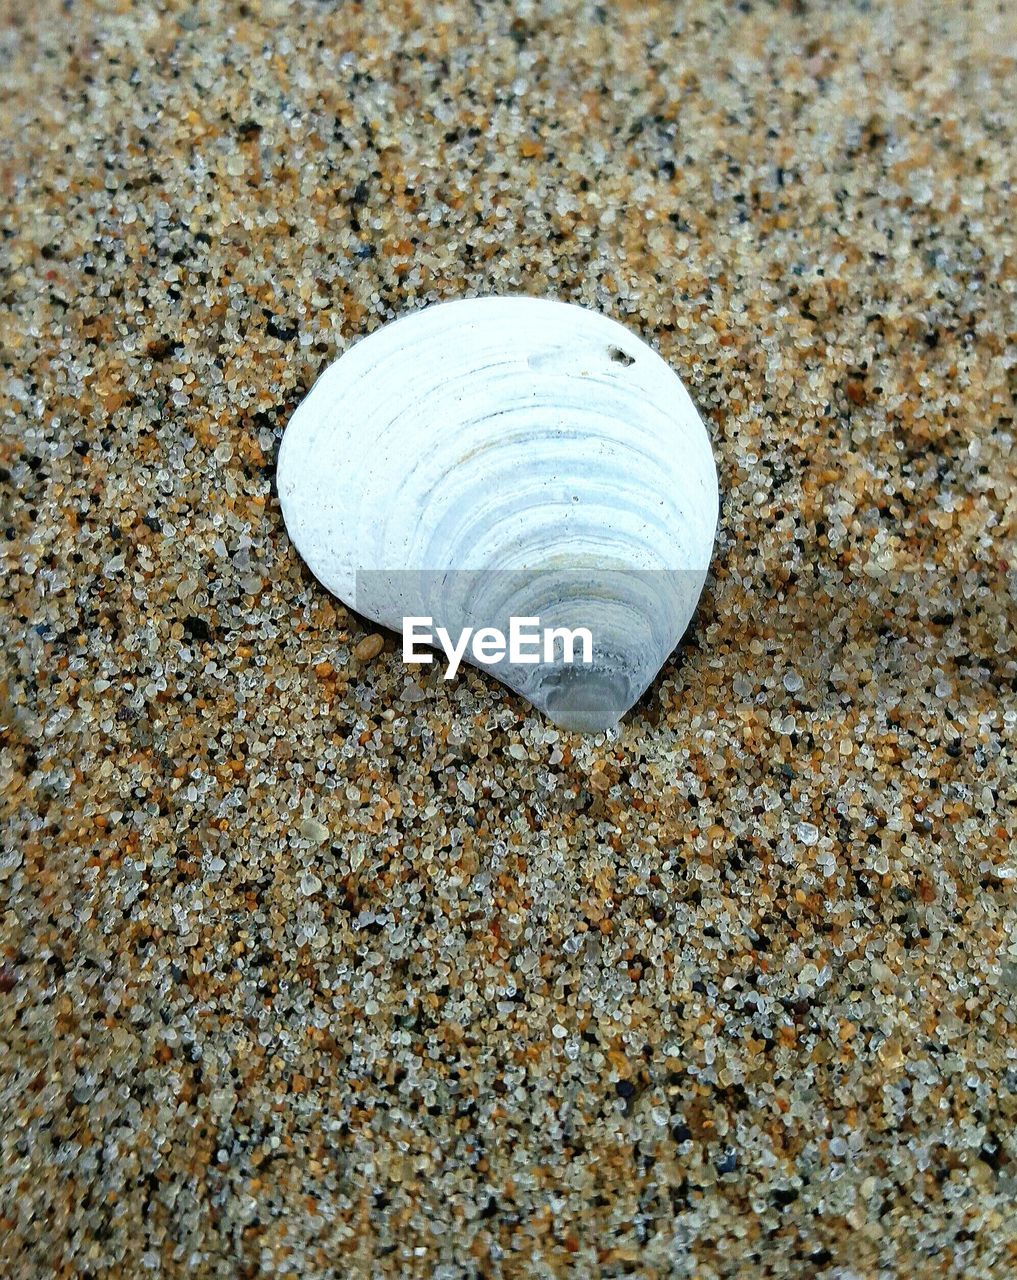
(510, 457)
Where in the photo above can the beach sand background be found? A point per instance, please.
(311, 966)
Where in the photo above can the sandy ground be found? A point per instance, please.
(305, 972)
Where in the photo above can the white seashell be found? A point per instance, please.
(501, 457)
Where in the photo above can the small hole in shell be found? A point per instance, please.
(620, 357)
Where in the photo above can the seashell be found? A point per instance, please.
(510, 457)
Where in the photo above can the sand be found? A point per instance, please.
(311, 966)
